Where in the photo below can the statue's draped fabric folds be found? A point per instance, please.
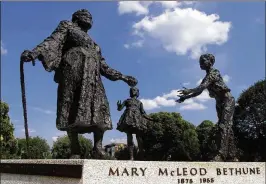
(82, 105)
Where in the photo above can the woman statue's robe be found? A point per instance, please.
(82, 105)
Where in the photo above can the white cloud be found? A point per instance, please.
(55, 138)
(180, 30)
(185, 30)
(45, 111)
(188, 101)
(58, 134)
(149, 104)
(172, 94)
(126, 46)
(3, 50)
(199, 82)
(186, 83)
(140, 8)
(204, 96)
(169, 4)
(123, 140)
(193, 106)
(168, 100)
(160, 101)
(119, 140)
(29, 130)
(136, 44)
(174, 4)
(226, 78)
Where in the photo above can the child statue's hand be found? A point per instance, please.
(119, 104)
(180, 100)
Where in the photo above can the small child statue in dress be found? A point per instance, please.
(133, 121)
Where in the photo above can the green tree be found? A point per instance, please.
(250, 122)
(205, 130)
(170, 137)
(7, 139)
(123, 154)
(61, 148)
(38, 148)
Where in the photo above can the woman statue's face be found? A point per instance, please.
(85, 21)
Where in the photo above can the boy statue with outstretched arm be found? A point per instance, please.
(225, 105)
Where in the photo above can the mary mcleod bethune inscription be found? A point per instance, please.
(138, 172)
(206, 173)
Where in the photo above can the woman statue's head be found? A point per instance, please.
(206, 61)
(83, 18)
(134, 92)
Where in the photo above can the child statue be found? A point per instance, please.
(225, 105)
(133, 121)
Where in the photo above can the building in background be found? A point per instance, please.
(112, 148)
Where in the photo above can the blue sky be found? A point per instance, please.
(157, 42)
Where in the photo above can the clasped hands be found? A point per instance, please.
(119, 104)
(131, 81)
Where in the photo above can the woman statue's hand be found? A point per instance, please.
(28, 56)
(131, 81)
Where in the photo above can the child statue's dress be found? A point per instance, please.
(132, 120)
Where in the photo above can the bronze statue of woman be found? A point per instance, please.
(225, 105)
(82, 105)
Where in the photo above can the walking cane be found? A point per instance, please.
(22, 82)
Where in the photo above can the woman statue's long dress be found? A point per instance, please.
(82, 105)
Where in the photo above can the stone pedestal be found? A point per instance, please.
(129, 172)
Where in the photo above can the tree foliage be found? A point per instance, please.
(7, 138)
(123, 154)
(38, 148)
(170, 138)
(61, 148)
(250, 122)
(205, 132)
